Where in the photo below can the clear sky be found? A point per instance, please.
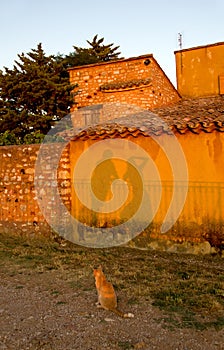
(138, 26)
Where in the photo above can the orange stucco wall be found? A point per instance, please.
(204, 206)
(138, 81)
(200, 70)
(202, 217)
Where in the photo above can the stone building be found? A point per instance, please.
(199, 128)
(40, 195)
(138, 81)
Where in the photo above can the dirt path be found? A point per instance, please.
(50, 310)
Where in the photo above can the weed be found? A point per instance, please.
(61, 303)
(125, 345)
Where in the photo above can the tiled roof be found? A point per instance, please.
(196, 116)
(134, 125)
(125, 84)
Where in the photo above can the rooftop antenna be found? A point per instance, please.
(180, 40)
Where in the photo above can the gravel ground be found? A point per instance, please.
(50, 310)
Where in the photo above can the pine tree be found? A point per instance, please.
(103, 52)
(34, 94)
(97, 52)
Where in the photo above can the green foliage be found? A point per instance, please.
(33, 137)
(7, 138)
(101, 51)
(80, 58)
(33, 96)
(97, 52)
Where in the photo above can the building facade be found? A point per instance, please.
(138, 81)
(200, 70)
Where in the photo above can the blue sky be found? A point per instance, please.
(138, 26)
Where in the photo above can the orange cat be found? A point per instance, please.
(107, 298)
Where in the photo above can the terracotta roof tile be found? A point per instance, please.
(193, 115)
(117, 85)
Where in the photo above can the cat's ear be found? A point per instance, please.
(98, 268)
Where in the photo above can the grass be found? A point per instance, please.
(125, 345)
(189, 289)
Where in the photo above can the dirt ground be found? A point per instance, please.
(45, 311)
(55, 309)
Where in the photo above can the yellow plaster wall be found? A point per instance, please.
(200, 70)
(204, 204)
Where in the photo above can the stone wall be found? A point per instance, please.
(20, 212)
(136, 81)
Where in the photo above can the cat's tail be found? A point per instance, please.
(122, 314)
